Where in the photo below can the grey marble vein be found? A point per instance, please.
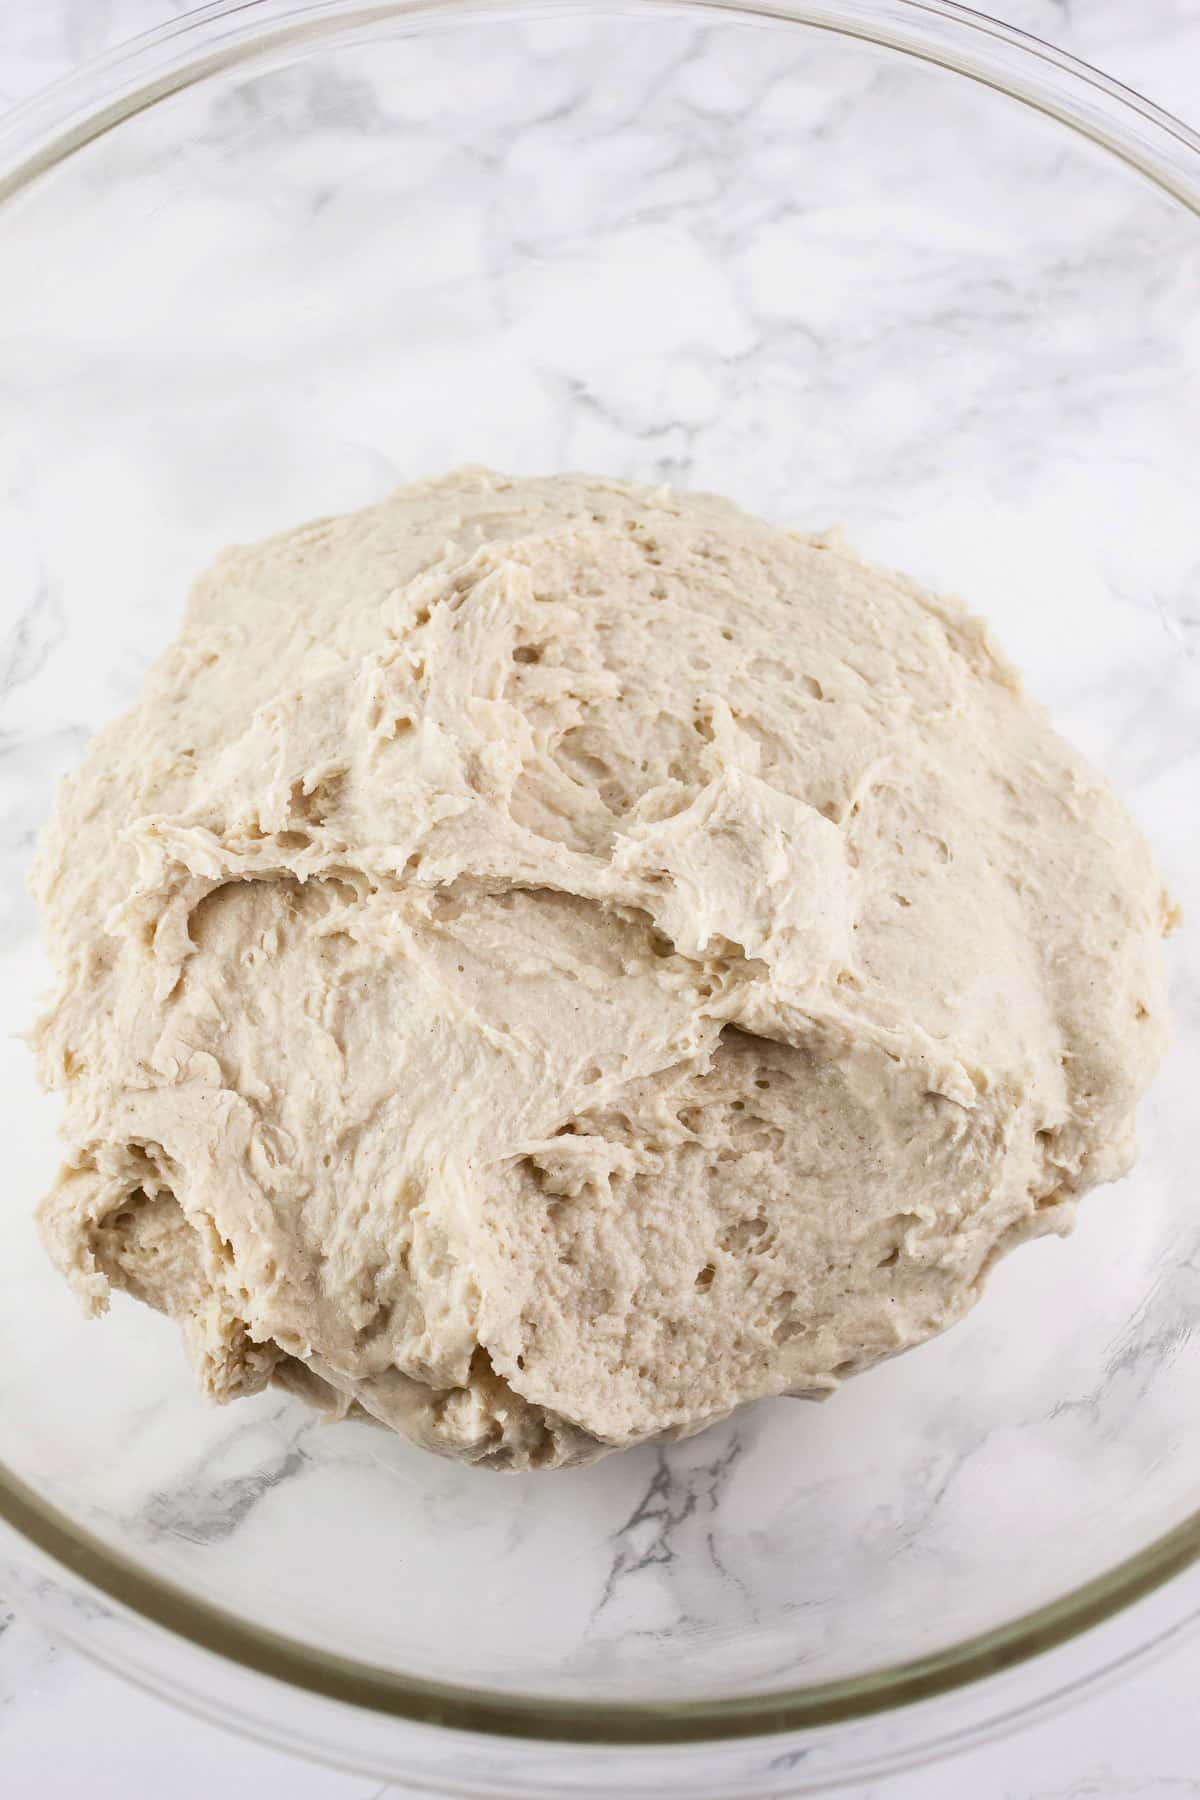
(206, 1506)
(650, 1536)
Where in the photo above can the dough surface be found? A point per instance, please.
(545, 962)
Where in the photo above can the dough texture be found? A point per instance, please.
(546, 962)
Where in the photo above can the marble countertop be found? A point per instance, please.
(69, 1728)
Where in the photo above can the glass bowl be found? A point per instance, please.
(869, 261)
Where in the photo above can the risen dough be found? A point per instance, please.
(547, 961)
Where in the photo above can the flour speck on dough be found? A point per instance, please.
(545, 962)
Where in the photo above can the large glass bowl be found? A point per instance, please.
(868, 261)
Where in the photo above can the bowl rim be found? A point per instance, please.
(73, 112)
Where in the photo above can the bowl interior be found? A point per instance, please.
(834, 283)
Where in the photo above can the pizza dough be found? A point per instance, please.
(545, 962)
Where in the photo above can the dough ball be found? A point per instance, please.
(546, 962)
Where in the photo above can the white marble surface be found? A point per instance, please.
(98, 1736)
